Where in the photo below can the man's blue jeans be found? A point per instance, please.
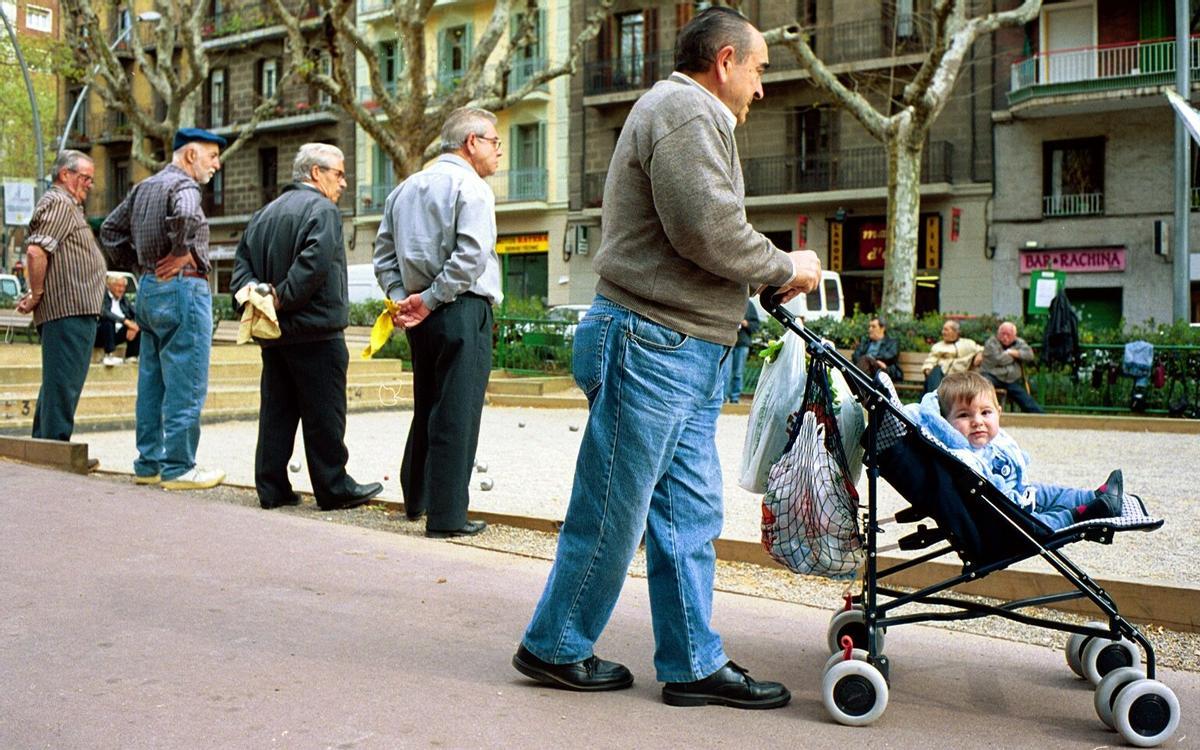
(648, 462)
(176, 321)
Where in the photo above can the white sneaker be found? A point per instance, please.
(131, 360)
(195, 479)
(111, 361)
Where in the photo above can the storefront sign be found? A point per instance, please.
(18, 203)
(872, 241)
(1090, 260)
(514, 244)
(801, 232)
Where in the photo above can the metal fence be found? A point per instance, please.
(1099, 384)
(847, 169)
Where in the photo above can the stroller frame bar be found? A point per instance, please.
(874, 612)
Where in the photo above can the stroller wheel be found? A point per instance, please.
(1102, 655)
(854, 693)
(1146, 713)
(851, 622)
(1074, 647)
(1110, 687)
(857, 654)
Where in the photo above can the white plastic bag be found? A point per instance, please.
(779, 393)
(851, 421)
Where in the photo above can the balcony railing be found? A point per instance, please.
(372, 197)
(1103, 68)
(374, 6)
(251, 16)
(848, 169)
(632, 73)
(524, 69)
(1078, 204)
(862, 40)
(519, 185)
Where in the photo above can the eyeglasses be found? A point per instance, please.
(340, 174)
(494, 141)
(86, 177)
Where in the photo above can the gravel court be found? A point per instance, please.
(530, 456)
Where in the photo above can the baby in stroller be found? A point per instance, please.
(963, 415)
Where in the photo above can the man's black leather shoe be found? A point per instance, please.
(728, 686)
(362, 493)
(415, 515)
(470, 528)
(592, 674)
(291, 501)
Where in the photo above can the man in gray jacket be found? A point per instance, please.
(294, 245)
(676, 262)
(1002, 362)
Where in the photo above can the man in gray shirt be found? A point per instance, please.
(435, 257)
(676, 261)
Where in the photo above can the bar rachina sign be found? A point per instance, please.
(1079, 260)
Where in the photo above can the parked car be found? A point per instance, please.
(10, 289)
(362, 284)
(824, 302)
(568, 314)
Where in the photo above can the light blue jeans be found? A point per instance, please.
(1055, 506)
(176, 321)
(648, 462)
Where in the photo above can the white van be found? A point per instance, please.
(10, 286)
(361, 283)
(824, 302)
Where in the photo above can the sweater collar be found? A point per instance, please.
(725, 111)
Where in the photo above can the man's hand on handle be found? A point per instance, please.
(410, 311)
(806, 274)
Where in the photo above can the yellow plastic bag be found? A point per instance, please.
(382, 330)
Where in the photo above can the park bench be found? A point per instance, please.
(13, 323)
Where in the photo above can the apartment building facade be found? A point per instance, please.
(814, 177)
(244, 42)
(531, 184)
(1084, 159)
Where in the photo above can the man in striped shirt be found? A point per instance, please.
(161, 229)
(66, 289)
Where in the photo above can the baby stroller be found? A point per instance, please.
(961, 503)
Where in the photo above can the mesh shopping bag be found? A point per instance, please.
(810, 510)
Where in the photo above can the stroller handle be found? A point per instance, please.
(767, 298)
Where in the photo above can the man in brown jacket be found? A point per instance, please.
(676, 262)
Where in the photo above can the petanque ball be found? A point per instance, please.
(486, 484)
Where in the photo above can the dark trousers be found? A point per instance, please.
(107, 338)
(934, 379)
(66, 355)
(303, 384)
(1016, 391)
(452, 359)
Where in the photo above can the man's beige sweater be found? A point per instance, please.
(676, 246)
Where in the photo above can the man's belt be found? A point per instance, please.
(192, 273)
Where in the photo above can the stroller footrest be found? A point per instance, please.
(921, 538)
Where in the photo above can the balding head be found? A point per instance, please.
(1006, 333)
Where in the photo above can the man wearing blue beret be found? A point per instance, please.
(160, 230)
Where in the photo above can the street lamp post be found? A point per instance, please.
(149, 16)
(37, 120)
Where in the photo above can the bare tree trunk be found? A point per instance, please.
(903, 226)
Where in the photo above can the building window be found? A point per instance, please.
(528, 61)
(324, 98)
(79, 129)
(216, 98)
(121, 182)
(527, 177)
(1073, 177)
(389, 71)
(38, 18)
(268, 173)
(268, 79)
(454, 51)
(631, 47)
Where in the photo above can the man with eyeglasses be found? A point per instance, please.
(66, 292)
(160, 229)
(435, 256)
(294, 246)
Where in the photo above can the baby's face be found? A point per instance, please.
(978, 420)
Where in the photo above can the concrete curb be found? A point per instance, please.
(1174, 607)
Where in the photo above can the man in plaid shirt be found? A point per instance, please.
(161, 229)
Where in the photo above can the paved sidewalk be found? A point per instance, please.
(135, 618)
(530, 456)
